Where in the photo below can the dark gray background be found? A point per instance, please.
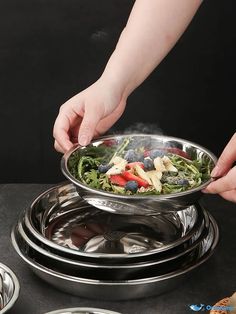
(50, 50)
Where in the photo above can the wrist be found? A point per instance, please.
(118, 83)
(114, 83)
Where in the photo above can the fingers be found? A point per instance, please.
(226, 159)
(79, 118)
(60, 133)
(58, 147)
(224, 184)
(65, 121)
(109, 120)
(92, 116)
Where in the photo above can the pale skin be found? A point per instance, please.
(153, 28)
(226, 184)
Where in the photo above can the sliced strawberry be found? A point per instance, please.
(118, 180)
(110, 142)
(131, 177)
(146, 153)
(131, 165)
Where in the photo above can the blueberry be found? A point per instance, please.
(140, 157)
(183, 182)
(131, 156)
(156, 153)
(131, 186)
(148, 164)
(103, 168)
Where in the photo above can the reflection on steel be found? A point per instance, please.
(138, 204)
(9, 288)
(95, 254)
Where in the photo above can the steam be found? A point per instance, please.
(140, 128)
(144, 128)
(147, 142)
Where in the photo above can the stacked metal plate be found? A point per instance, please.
(96, 254)
(82, 310)
(9, 288)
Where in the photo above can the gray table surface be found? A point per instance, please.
(214, 280)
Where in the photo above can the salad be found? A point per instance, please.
(129, 169)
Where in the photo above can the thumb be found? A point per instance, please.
(91, 118)
(226, 159)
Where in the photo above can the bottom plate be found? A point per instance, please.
(123, 289)
(82, 310)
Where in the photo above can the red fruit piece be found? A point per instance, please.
(110, 143)
(131, 177)
(131, 165)
(118, 180)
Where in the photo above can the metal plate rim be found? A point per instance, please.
(29, 224)
(76, 309)
(43, 269)
(16, 292)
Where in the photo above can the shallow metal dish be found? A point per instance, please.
(9, 288)
(123, 289)
(108, 271)
(58, 215)
(138, 204)
(82, 310)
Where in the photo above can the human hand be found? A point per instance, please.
(88, 114)
(225, 185)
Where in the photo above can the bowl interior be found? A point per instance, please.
(207, 246)
(61, 219)
(76, 162)
(9, 288)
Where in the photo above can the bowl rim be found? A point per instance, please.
(88, 309)
(16, 291)
(33, 230)
(20, 230)
(70, 177)
(43, 269)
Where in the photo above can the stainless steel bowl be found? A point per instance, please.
(9, 288)
(119, 271)
(82, 310)
(123, 289)
(58, 218)
(137, 204)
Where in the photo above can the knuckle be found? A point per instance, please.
(62, 107)
(54, 132)
(86, 128)
(56, 146)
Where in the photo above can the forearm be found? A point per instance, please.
(153, 28)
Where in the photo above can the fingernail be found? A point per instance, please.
(83, 140)
(215, 172)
